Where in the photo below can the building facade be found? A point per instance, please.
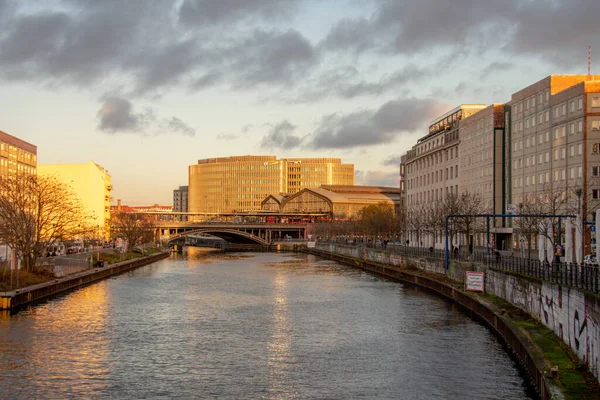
(16, 156)
(233, 184)
(91, 184)
(541, 146)
(340, 201)
(180, 201)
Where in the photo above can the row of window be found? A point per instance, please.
(559, 154)
(530, 180)
(433, 177)
(431, 195)
(530, 102)
(432, 160)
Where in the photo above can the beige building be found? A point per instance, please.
(431, 169)
(546, 141)
(339, 201)
(241, 183)
(16, 156)
(91, 183)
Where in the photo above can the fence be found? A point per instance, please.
(583, 276)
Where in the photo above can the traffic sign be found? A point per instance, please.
(592, 228)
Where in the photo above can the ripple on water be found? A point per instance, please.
(205, 325)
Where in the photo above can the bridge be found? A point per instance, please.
(238, 233)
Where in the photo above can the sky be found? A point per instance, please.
(146, 88)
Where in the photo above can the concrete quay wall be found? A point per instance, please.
(573, 314)
(395, 266)
(18, 298)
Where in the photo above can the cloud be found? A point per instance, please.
(116, 115)
(226, 136)
(536, 28)
(137, 43)
(208, 12)
(281, 136)
(373, 127)
(377, 178)
(392, 161)
(347, 82)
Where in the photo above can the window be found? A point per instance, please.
(540, 118)
(563, 174)
(562, 153)
(541, 159)
(580, 126)
(595, 125)
(533, 179)
(556, 175)
(555, 112)
(555, 154)
(540, 139)
(580, 103)
(547, 92)
(571, 128)
(547, 177)
(596, 171)
(547, 136)
(533, 101)
(541, 178)
(596, 101)
(527, 123)
(571, 173)
(579, 149)
(563, 109)
(595, 148)
(595, 194)
(555, 133)
(547, 156)
(547, 116)
(540, 98)
(572, 106)
(579, 172)
(571, 151)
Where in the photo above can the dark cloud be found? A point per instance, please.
(497, 66)
(347, 82)
(208, 12)
(368, 127)
(268, 57)
(281, 136)
(377, 178)
(138, 43)
(557, 31)
(116, 115)
(392, 161)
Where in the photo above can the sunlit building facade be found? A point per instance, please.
(91, 184)
(340, 201)
(16, 156)
(241, 183)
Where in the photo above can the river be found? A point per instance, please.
(251, 326)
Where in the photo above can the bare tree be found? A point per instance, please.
(37, 211)
(470, 204)
(377, 220)
(135, 229)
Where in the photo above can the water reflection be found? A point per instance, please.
(203, 324)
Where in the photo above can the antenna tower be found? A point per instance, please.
(589, 63)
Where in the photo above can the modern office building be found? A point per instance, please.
(544, 142)
(91, 184)
(16, 156)
(180, 201)
(241, 183)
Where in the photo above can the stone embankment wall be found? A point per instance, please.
(21, 297)
(571, 313)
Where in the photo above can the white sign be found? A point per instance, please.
(511, 208)
(474, 281)
(311, 244)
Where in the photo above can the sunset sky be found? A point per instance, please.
(146, 88)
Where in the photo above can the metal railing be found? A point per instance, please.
(583, 276)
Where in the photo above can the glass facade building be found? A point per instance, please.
(233, 184)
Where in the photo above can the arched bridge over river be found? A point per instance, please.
(238, 233)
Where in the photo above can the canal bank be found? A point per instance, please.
(15, 299)
(522, 338)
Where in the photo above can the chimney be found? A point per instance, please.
(118, 205)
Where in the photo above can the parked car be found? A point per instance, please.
(590, 259)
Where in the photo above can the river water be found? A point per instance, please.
(251, 326)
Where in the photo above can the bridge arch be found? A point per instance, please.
(230, 235)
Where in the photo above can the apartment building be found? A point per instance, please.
(91, 183)
(546, 141)
(180, 202)
(431, 169)
(16, 156)
(241, 183)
